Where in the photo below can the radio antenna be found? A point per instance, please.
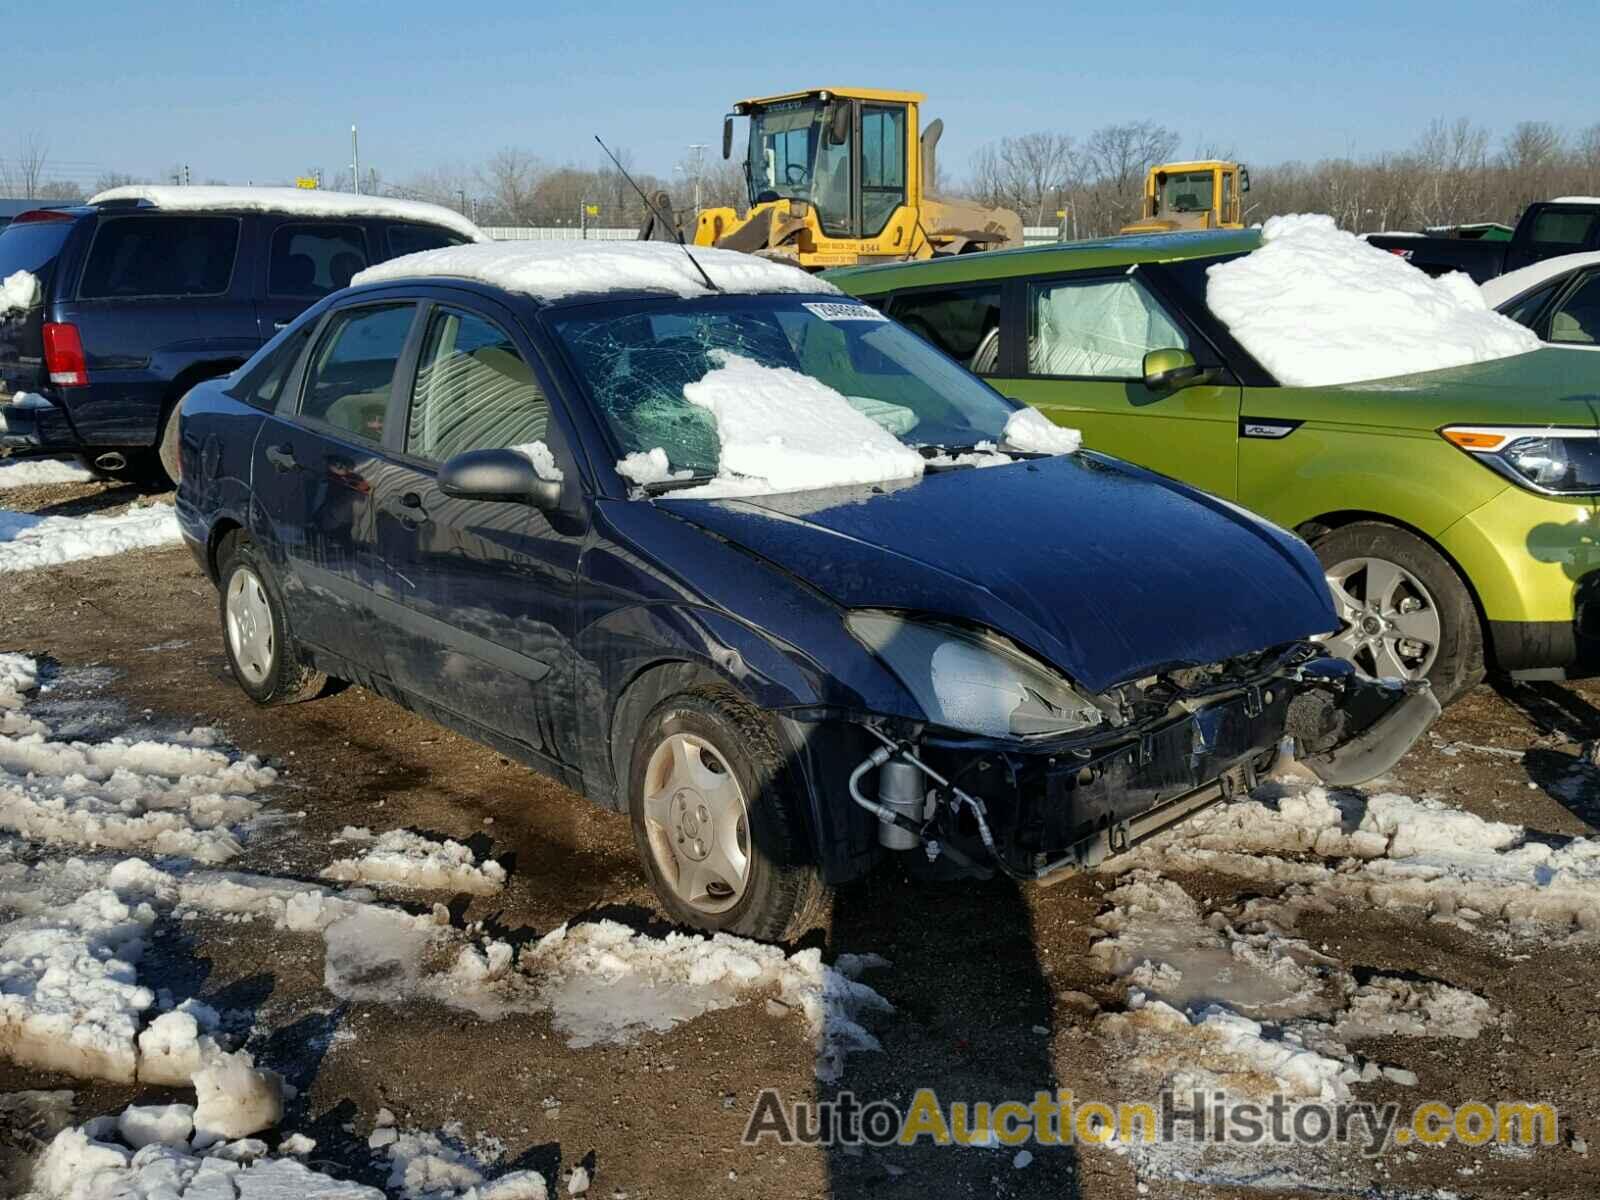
(677, 233)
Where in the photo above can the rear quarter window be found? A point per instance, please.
(413, 239)
(148, 256)
(34, 246)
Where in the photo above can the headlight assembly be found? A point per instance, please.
(974, 681)
(1555, 461)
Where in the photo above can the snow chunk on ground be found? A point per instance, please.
(28, 542)
(554, 270)
(1031, 432)
(308, 202)
(235, 1098)
(603, 982)
(177, 1044)
(19, 292)
(410, 860)
(1318, 306)
(163, 1124)
(26, 472)
(649, 466)
(441, 1166)
(782, 431)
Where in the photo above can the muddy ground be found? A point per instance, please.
(993, 985)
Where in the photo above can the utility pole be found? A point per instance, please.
(462, 192)
(355, 161)
(697, 150)
(185, 174)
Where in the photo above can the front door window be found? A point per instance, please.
(883, 166)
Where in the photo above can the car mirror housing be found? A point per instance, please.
(1169, 370)
(498, 475)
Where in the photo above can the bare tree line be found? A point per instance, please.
(1454, 172)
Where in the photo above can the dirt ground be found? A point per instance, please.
(994, 988)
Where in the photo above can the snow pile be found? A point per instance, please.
(178, 1043)
(164, 796)
(145, 1155)
(19, 291)
(1319, 306)
(411, 860)
(555, 270)
(70, 998)
(28, 542)
(425, 1165)
(649, 466)
(304, 202)
(1391, 851)
(781, 431)
(1031, 432)
(26, 472)
(604, 983)
(1390, 1007)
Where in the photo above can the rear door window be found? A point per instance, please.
(262, 385)
(1576, 319)
(308, 261)
(351, 374)
(412, 239)
(963, 322)
(160, 256)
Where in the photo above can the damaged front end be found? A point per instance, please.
(1161, 749)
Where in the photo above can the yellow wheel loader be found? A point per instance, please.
(838, 177)
(1183, 196)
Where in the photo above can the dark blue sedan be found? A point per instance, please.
(735, 555)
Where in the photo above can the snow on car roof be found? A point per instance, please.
(1318, 306)
(554, 270)
(1513, 283)
(308, 202)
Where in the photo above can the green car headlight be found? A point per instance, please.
(1555, 461)
(973, 681)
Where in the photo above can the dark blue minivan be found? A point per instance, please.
(744, 559)
(145, 291)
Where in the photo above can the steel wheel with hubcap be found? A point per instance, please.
(699, 828)
(249, 625)
(1391, 623)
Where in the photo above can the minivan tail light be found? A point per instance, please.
(63, 355)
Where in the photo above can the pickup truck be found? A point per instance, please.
(1568, 225)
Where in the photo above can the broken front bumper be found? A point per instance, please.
(1038, 812)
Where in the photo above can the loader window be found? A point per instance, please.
(883, 166)
(1189, 192)
(791, 158)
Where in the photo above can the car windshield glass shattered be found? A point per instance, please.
(756, 386)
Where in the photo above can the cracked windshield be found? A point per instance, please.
(641, 366)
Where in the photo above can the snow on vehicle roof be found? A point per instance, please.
(1576, 200)
(307, 202)
(554, 270)
(1318, 306)
(1514, 283)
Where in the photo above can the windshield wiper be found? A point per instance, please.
(657, 487)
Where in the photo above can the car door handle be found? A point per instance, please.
(408, 510)
(282, 457)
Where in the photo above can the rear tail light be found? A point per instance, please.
(63, 355)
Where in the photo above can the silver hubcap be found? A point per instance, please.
(250, 625)
(1391, 624)
(699, 830)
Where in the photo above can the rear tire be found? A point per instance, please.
(262, 653)
(1404, 609)
(167, 448)
(717, 818)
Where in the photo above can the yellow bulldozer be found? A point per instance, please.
(1184, 196)
(839, 176)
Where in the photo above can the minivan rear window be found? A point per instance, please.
(33, 246)
(160, 256)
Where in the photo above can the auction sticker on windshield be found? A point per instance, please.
(843, 312)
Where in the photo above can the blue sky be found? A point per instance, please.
(264, 90)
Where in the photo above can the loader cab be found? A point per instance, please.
(847, 156)
(1192, 195)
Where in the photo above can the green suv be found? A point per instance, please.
(1454, 510)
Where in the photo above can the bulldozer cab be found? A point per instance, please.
(845, 155)
(837, 177)
(1192, 195)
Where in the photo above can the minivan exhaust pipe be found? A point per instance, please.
(111, 460)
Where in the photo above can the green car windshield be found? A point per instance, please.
(1188, 192)
(635, 359)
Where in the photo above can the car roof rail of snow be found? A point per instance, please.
(549, 271)
(308, 202)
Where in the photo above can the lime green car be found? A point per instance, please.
(1455, 511)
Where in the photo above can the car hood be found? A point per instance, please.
(1552, 386)
(1105, 570)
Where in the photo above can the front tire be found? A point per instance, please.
(1403, 609)
(717, 818)
(261, 650)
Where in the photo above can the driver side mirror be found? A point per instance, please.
(1171, 370)
(838, 123)
(727, 136)
(498, 475)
